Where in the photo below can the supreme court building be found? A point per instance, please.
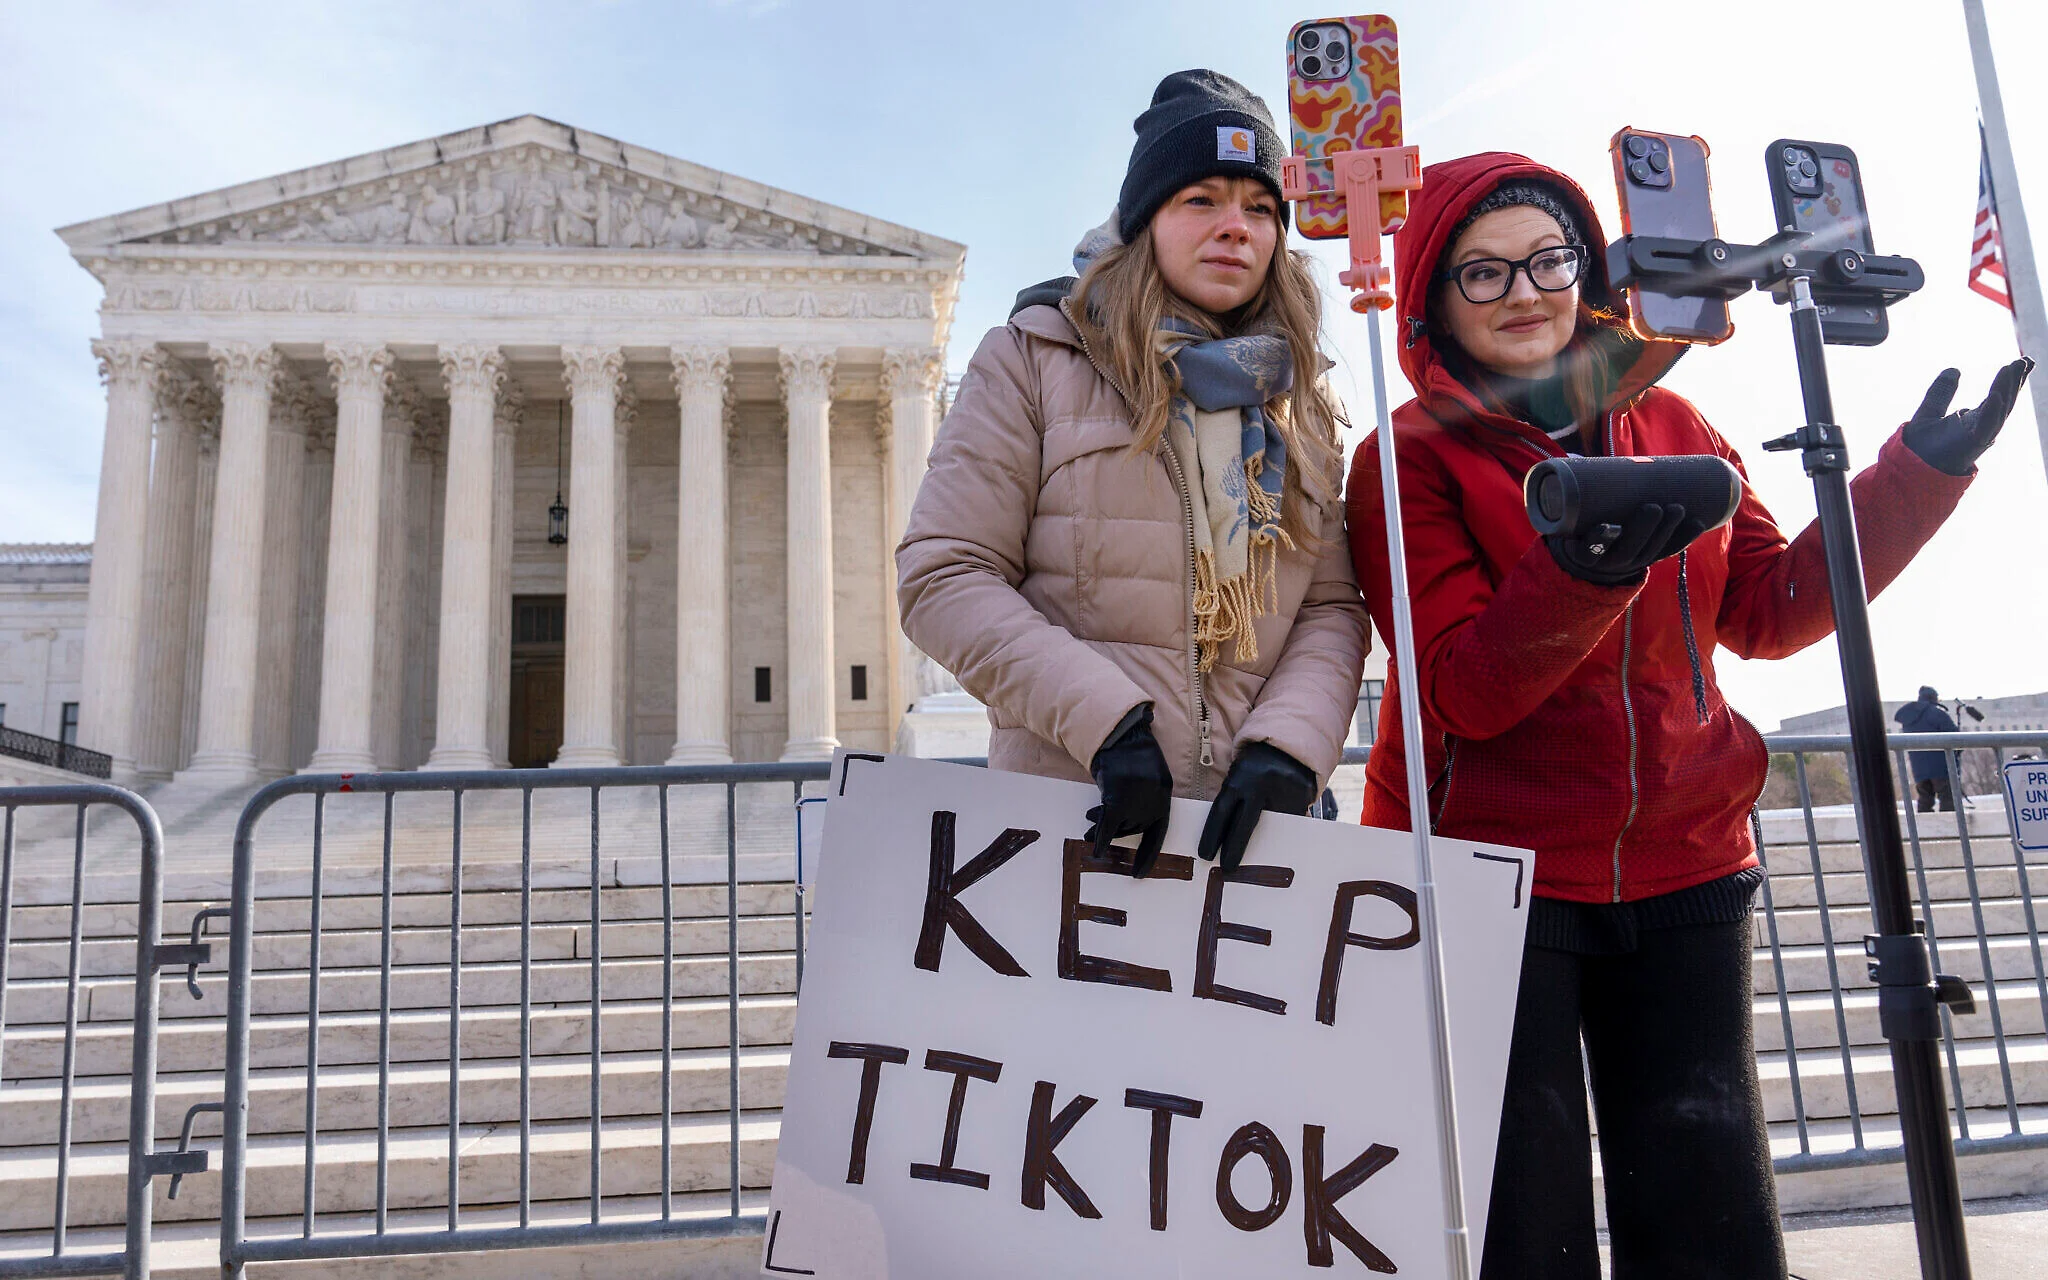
(341, 404)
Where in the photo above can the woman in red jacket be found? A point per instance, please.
(1569, 704)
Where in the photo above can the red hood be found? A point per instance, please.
(1449, 190)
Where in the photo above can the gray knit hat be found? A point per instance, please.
(1522, 191)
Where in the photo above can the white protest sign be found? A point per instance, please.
(2026, 787)
(1012, 1061)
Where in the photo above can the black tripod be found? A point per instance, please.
(1909, 992)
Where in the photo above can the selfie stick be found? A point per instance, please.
(1360, 177)
(1910, 995)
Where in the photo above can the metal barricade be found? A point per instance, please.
(379, 1236)
(151, 955)
(1991, 936)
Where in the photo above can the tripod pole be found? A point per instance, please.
(1908, 994)
(1457, 1238)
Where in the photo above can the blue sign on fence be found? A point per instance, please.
(2026, 788)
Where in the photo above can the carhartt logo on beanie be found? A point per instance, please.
(1200, 124)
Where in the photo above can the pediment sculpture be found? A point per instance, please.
(532, 202)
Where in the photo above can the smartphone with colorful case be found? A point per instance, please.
(1343, 94)
(1662, 182)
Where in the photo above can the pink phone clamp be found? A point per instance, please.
(1359, 177)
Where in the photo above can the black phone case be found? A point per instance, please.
(1682, 209)
(1844, 321)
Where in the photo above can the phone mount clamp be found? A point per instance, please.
(1912, 998)
(1357, 178)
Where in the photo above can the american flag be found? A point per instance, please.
(1987, 267)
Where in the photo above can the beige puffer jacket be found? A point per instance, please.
(1051, 571)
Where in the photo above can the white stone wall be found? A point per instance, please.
(42, 642)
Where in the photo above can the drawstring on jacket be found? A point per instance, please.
(1692, 644)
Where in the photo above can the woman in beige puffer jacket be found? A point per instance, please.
(1051, 560)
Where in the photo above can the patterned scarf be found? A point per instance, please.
(1236, 464)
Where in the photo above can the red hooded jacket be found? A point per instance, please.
(1584, 721)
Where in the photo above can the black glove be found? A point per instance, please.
(1137, 790)
(1952, 444)
(1613, 555)
(1262, 777)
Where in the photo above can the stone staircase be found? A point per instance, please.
(344, 1090)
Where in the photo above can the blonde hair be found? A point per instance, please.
(1118, 305)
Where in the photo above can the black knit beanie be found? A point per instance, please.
(1200, 124)
(1521, 191)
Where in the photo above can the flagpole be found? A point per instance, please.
(2017, 250)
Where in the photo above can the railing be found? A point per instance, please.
(57, 755)
(132, 1260)
(2004, 1120)
(238, 1249)
(1976, 1134)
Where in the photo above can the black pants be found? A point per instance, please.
(1683, 1147)
(1931, 789)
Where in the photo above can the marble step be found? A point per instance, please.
(1935, 851)
(414, 910)
(1824, 1089)
(1813, 1016)
(419, 1035)
(425, 945)
(347, 1095)
(191, 1250)
(415, 987)
(1849, 888)
(1836, 824)
(1949, 920)
(346, 1169)
(1806, 967)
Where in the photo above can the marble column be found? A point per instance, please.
(292, 408)
(504, 441)
(113, 609)
(202, 584)
(348, 638)
(403, 411)
(624, 415)
(183, 404)
(807, 395)
(462, 700)
(593, 375)
(703, 618)
(225, 752)
(910, 382)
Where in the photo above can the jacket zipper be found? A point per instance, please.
(1450, 770)
(1199, 710)
(1628, 711)
(1207, 754)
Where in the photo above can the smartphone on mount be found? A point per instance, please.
(1817, 187)
(1661, 179)
(1343, 94)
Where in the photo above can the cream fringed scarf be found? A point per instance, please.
(1236, 464)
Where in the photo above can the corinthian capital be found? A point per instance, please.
(245, 366)
(807, 371)
(700, 371)
(359, 369)
(908, 371)
(473, 367)
(182, 401)
(593, 368)
(510, 411)
(128, 363)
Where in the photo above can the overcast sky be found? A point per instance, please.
(1007, 127)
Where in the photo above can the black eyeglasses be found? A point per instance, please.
(1552, 270)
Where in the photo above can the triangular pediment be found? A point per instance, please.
(525, 183)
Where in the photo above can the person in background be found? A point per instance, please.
(1930, 768)
(1130, 541)
(1569, 705)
